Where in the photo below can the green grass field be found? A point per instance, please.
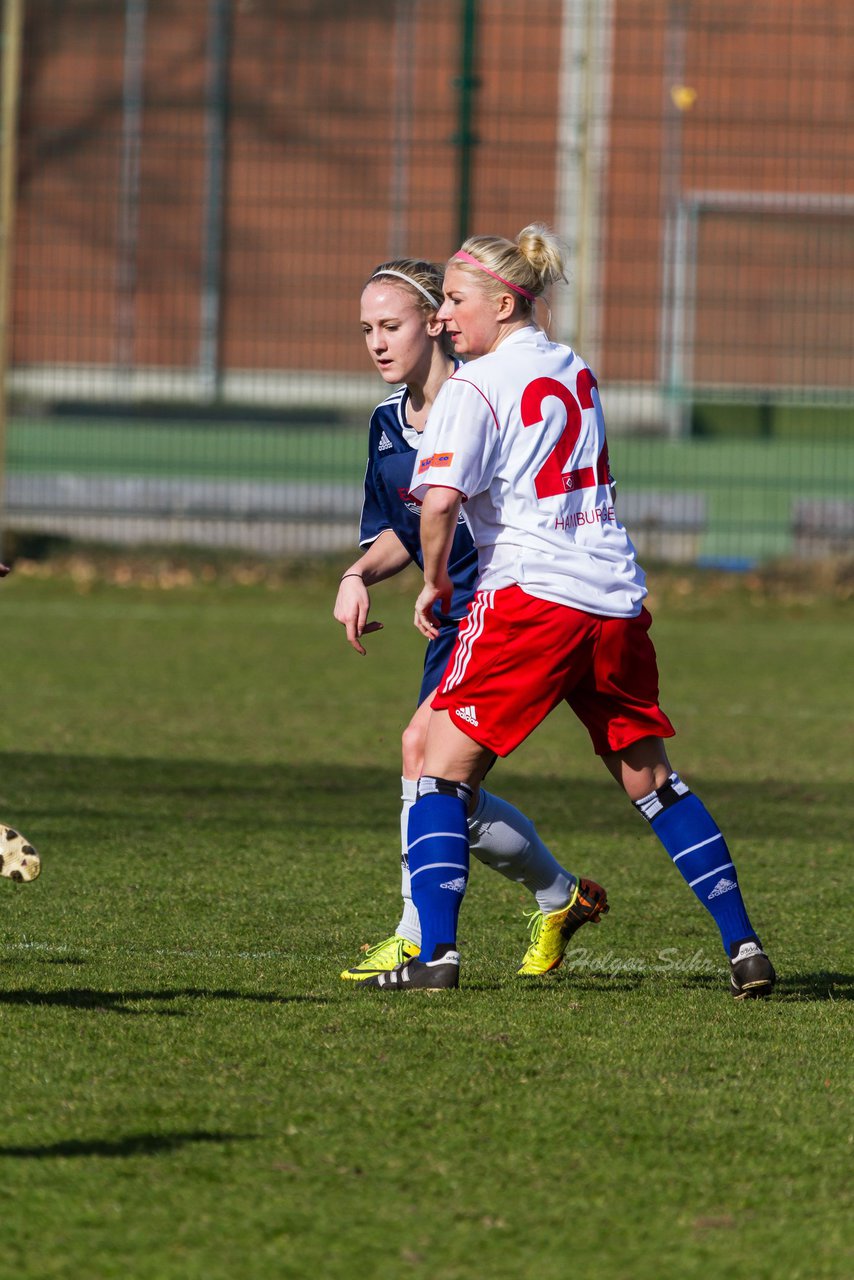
(190, 1091)
(750, 483)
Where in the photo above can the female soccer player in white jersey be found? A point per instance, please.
(408, 346)
(517, 434)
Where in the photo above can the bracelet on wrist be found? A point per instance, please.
(351, 575)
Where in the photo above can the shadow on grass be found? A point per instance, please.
(120, 1001)
(801, 987)
(143, 794)
(816, 986)
(618, 983)
(142, 1144)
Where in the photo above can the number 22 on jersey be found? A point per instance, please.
(551, 479)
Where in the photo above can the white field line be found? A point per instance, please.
(206, 953)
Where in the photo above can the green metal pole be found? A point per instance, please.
(465, 140)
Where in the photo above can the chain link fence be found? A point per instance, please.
(193, 196)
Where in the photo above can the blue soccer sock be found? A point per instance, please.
(691, 836)
(439, 859)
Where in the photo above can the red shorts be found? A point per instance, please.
(517, 657)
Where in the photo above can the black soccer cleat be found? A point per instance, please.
(442, 973)
(752, 975)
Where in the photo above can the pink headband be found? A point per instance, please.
(517, 288)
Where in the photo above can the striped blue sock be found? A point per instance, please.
(693, 839)
(439, 859)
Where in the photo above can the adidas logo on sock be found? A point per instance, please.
(458, 885)
(384, 443)
(467, 714)
(722, 886)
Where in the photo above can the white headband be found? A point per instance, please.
(434, 302)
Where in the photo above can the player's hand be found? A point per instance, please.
(352, 606)
(432, 594)
(4, 569)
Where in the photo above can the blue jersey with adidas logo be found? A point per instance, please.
(388, 504)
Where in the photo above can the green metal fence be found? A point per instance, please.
(194, 194)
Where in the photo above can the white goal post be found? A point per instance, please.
(679, 301)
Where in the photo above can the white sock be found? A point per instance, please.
(504, 839)
(409, 926)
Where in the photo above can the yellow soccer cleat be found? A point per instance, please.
(550, 934)
(18, 859)
(382, 957)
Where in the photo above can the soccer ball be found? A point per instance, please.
(18, 859)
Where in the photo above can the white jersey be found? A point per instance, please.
(520, 434)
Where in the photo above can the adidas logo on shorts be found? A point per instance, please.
(722, 886)
(458, 885)
(467, 714)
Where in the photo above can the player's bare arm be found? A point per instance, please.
(4, 569)
(439, 514)
(385, 557)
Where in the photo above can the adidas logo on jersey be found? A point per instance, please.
(384, 443)
(458, 885)
(467, 714)
(722, 886)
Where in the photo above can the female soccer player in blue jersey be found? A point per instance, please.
(409, 349)
(558, 614)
